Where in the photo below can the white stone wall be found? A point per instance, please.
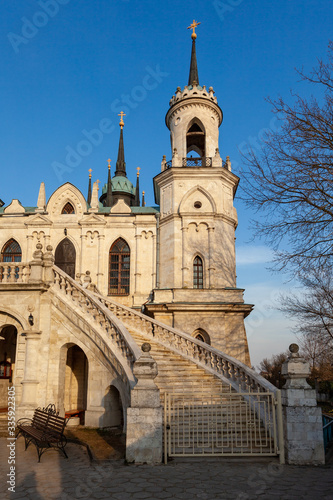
(92, 236)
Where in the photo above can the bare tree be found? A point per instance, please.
(314, 307)
(318, 350)
(291, 180)
(270, 369)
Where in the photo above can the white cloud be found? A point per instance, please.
(252, 254)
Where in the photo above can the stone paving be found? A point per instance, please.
(76, 478)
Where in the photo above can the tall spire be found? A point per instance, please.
(108, 201)
(121, 165)
(137, 189)
(193, 76)
(89, 187)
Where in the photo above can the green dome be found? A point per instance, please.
(120, 184)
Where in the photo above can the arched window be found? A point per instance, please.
(11, 252)
(68, 209)
(197, 272)
(119, 268)
(202, 335)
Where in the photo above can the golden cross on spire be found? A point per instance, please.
(192, 27)
(109, 163)
(90, 170)
(138, 171)
(121, 123)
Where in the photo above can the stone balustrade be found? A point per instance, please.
(14, 272)
(90, 306)
(239, 376)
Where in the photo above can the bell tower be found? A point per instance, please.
(196, 272)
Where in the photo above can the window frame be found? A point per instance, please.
(119, 275)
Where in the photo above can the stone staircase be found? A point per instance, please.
(176, 374)
(201, 388)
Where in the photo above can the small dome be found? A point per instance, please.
(120, 184)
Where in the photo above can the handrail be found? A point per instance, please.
(122, 342)
(237, 374)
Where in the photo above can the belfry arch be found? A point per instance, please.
(196, 138)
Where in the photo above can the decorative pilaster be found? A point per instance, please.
(185, 268)
(153, 275)
(211, 269)
(138, 237)
(100, 267)
(29, 245)
(144, 417)
(302, 419)
(83, 247)
(30, 382)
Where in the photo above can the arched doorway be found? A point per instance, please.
(76, 381)
(8, 340)
(65, 257)
(113, 416)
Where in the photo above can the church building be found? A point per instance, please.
(83, 279)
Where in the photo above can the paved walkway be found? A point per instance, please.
(57, 478)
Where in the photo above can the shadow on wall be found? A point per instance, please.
(114, 412)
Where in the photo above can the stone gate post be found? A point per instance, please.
(144, 417)
(302, 419)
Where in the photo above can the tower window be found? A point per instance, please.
(195, 139)
(119, 268)
(197, 273)
(68, 209)
(11, 252)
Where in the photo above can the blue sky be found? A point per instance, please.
(69, 66)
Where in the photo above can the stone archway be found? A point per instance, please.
(65, 257)
(8, 346)
(75, 381)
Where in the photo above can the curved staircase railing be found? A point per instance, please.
(237, 374)
(122, 349)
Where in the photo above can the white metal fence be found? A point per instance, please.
(223, 424)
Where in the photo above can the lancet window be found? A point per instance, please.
(119, 268)
(197, 272)
(11, 252)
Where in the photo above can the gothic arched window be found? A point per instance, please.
(11, 252)
(119, 268)
(68, 209)
(202, 335)
(197, 272)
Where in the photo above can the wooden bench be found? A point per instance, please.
(45, 430)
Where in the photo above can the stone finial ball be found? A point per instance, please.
(49, 248)
(293, 348)
(39, 246)
(146, 347)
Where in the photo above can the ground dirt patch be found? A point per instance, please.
(104, 444)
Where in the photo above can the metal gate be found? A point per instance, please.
(223, 424)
